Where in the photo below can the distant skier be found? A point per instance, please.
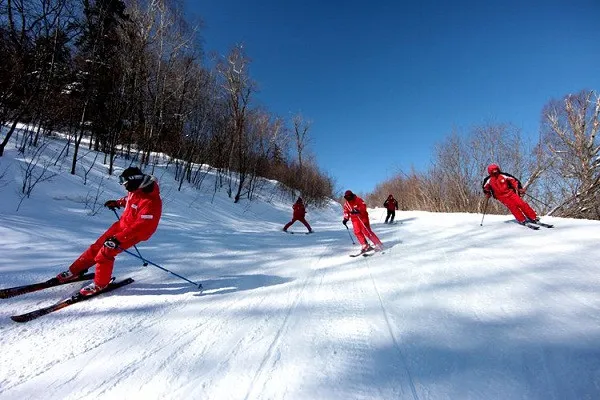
(143, 208)
(508, 190)
(391, 204)
(298, 215)
(355, 210)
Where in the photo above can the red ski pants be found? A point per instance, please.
(103, 257)
(518, 207)
(297, 219)
(362, 229)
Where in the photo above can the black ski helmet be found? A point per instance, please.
(131, 178)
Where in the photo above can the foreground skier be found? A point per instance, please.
(143, 208)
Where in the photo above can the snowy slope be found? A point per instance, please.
(452, 310)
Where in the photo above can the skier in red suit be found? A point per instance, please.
(299, 213)
(143, 208)
(508, 190)
(355, 209)
(391, 205)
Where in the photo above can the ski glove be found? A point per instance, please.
(345, 222)
(521, 191)
(112, 204)
(112, 242)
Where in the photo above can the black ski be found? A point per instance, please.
(34, 287)
(542, 224)
(67, 302)
(293, 233)
(364, 253)
(530, 226)
(369, 254)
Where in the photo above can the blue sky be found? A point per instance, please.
(384, 82)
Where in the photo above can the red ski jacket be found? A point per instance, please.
(299, 210)
(357, 204)
(141, 216)
(391, 203)
(502, 185)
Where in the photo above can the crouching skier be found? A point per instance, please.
(508, 190)
(143, 208)
(355, 209)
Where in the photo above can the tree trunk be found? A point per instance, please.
(8, 135)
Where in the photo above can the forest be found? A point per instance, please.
(132, 78)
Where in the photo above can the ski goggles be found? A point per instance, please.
(123, 180)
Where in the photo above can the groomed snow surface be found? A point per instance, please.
(451, 310)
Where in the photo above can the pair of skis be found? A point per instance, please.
(535, 225)
(368, 253)
(76, 298)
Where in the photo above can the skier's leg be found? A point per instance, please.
(526, 209)
(513, 207)
(105, 260)
(373, 237)
(360, 236)
(306, 224)
(86, 259)
(285, 228)
(366, 230)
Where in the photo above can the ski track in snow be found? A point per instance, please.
(270, 353)
(392, 335)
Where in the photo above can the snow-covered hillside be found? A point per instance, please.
(451, 310)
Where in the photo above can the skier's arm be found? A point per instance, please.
(514, 183)
(362, 207)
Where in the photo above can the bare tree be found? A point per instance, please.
(3, 172)
(301, 128)
(453, 182)
(27, 68)
(35, 170)
(238, 88)
(570, 129)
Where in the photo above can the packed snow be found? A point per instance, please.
(453, 309)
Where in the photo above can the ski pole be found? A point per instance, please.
(134, 246)
(348, 229)
(487, 200)
(198, 285)
(539, 201)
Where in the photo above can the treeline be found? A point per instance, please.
(132, 79)
(561, 170)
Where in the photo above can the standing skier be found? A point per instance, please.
(355, 209)
(508, 190)
(391, 205)
(298, 215)
(143, 208)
